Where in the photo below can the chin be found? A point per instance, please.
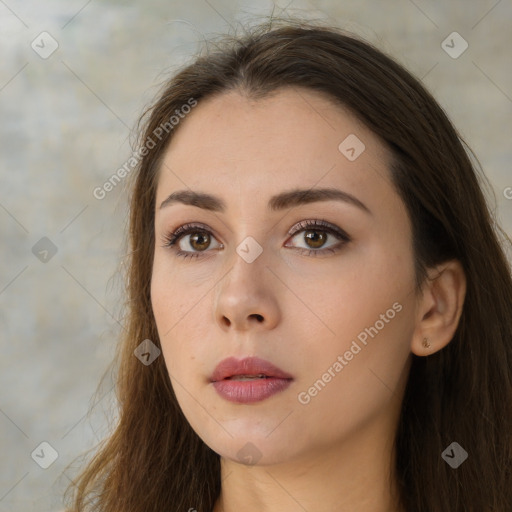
(249, 453)
(253, 448)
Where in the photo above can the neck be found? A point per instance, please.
(357, 475)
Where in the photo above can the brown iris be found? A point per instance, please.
(202, 239)
(317, 237)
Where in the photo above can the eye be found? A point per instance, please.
(315, 238)
(199, 241)
(201, 237)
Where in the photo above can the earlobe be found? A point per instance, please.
(440, 308)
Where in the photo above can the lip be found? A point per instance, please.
(248, 391)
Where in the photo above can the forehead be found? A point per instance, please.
(293, 138)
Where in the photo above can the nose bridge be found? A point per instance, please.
(246, 292)
(254, 254)
(250, 228)
(249, 236)
(249, 262)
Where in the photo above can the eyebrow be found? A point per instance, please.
(277, 202)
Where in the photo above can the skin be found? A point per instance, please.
(312, 307)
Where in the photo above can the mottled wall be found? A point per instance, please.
(65, 121)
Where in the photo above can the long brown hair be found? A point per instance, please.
(154, 461)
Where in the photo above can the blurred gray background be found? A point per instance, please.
(66, 114)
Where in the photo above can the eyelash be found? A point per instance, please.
(170, 240)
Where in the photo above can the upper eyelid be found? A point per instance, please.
(303, 225)
(321, 224)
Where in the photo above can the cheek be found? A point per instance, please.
(351, 381)
(177, 308)
(171, 298)
(367, 309)
(344, 298)
(168, 309)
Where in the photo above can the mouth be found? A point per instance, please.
(248, 380)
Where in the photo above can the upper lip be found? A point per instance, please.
(231, 367)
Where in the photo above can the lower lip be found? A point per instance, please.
(250, 391)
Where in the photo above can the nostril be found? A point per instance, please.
(258, 317)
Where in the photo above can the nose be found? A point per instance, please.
(247, 296)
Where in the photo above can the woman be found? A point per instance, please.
(320, 312)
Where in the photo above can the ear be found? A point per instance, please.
(439, 308)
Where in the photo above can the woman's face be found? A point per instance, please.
(337, 316)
